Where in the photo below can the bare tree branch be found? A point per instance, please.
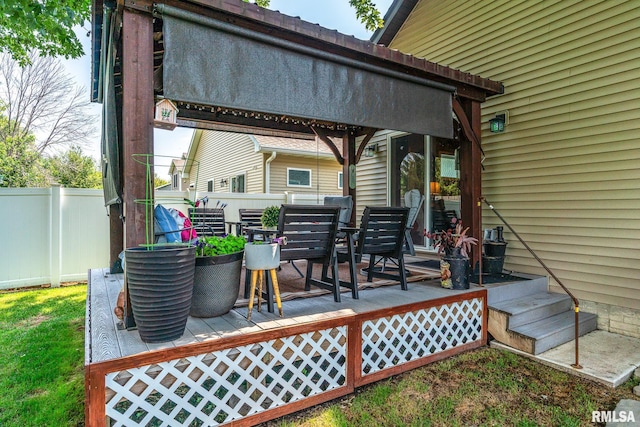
(42, 99)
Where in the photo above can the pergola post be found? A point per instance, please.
(137, 128)
(349, 170)
(116, 235)
(471, 170)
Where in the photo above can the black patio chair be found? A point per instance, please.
(311, 231)
(381, 236)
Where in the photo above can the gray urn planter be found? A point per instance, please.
(262, 256)
(216, 284)
(160, 284)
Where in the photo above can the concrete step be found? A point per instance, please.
(550, 332)
(508, 291)
(533, 307)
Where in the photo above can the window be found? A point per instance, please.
(340, 186)
(210, 185)
(298, 177)
(238, 183)
(175, 181)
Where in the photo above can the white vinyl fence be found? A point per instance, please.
(55, 235)
(51, 235)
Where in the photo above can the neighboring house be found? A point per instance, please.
(179, 181)
(565, 172)
(225, 162)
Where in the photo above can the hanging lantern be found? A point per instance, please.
(166, 116)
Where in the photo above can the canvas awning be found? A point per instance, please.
(212, 62)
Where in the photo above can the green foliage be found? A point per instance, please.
(41, 357)
(158, 182)
(19, 160)
(73, 169)
(216, 245)
(43, 25)
(368, 14)
(448, 186)
(270, 216)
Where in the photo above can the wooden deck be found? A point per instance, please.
(227, 369)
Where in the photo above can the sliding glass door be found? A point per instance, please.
(425, 166)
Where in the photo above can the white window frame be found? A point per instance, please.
(300, 185)
(340, 178)
(233, 178)
(175, 181)
(211, 181)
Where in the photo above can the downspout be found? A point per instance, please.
(267, 172)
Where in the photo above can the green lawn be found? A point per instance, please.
(485, 387)
(42, 357)
(42, 380)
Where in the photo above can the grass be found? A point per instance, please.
(42, 380)
(42, 357)
(485, 387)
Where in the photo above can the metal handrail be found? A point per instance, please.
(576, 303)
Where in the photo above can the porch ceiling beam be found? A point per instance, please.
(320, 133)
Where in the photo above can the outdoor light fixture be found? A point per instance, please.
(370, 150)
(496, 124)
(223, 182)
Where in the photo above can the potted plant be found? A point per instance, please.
(160, 284)
(216, 284)
(270, 217)
(455, 245)
(159, 277)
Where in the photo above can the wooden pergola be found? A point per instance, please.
(231, 65)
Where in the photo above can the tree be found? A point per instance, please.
(368, 14)
(158, 182)
(42, 100)
(46, 26)
(73, 169)
(19, 160)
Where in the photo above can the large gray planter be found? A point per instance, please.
(160, 283)
(216, 284)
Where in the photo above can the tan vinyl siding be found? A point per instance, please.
(371, 175)
(566, 171)
(225, 154)
(325, 168)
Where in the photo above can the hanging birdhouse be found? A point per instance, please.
(166, 115)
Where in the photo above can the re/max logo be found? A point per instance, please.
(613, 417)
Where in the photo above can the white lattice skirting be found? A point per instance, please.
(401, 338)
(223, 386)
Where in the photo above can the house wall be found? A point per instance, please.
(325, 168)
(372, 175)
(565, 171)
(225, 154)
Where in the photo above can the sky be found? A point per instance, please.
(333, 14)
